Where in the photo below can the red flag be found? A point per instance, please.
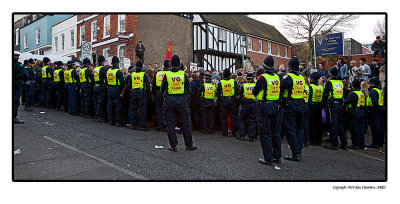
(168, 56)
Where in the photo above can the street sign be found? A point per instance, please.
(329, 44)
(193, 66)
(123, 37)
(86, 50)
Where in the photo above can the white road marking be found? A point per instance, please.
(136, 175)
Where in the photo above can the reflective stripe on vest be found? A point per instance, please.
(228, 87)
(57, 75)
(112, 76)
(45, 75)
(317, 93)
(159, 78)
(337, 87)
(306, 93)
(361, 98)
(298, 87)
(176, 82)
(248, 90)
(137, 80)
(209, 91)
(96, 73)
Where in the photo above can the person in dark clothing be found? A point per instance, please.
(100, 90)
(267, 92)
(333, 95)
(207, 105)
(86, 81)
(140, 51)
(375, 66)
(59, 85)
(375, 103)
(195, 101)
(175, 86)
(19, 75)
(72, 79)
(315, 110)
(23, 91)
(228, 93)
(292, 88)
(248, 113)
(158, 95)
(378, 47)
(30, 86)
(356, 101)
(140, 90)
(115, 83)
(47, 81)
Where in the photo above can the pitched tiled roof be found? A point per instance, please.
(246, 25)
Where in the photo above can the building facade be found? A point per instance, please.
(35, 37)
(64, 38)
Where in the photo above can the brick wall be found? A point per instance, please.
(257, 58)
(156, 30)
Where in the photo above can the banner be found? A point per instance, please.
(329, 44)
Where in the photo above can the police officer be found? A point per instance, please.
(305, 111)
(19, 75)
(86, 81)
(115, 83)
(23, 92)
(356, 101)
(47, 81)
(71, 78)
(333, 94)
(140, 89)
(375, 104)
(100, 90)
(248, 112)
(175, 86)
(59, 85)
(207, 105)
(228, 92)
(267, 92)
(30, 85)
(292, 88)
(315, 110)
(158, 95)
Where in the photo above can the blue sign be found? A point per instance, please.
(329, 44)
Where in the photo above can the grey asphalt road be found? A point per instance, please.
(57, 146)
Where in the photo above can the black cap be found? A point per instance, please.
(250, 76)
(334, 72)
(46, 60)
(226, 73)
(207, 76)
(315, 76)
(374, 81)
(26, 62)
(115, 60)
(175, 61)
(294, 64)
(31, 61)
(69, 63)
(101, 59)
(139, 64)
(86, 61)
(268, 62)
(59, 64)
(166, 63)
(356, 84)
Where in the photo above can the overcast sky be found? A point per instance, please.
(362, 32)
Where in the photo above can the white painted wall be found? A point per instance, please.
(65, 28)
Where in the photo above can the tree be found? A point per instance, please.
(380, 28)
(306, 26)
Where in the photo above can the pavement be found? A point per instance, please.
(57, 146)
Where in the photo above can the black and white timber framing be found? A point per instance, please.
(216, 48)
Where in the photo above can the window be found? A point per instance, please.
(285, 51)
(106, 54)
(250, 43)
(56, 43)
(121, 23)
(62, 41)
(38, 36)
(106, 31)
(222, 35)
(269, 48)
(278, 51)
(260, 44)
(82, 31)
(34, 17)
(121, 55)
(72, 38)
(26, 40)
(94, 31)
(17, 36)
(41, 52)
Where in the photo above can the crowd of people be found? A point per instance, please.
(269, 104)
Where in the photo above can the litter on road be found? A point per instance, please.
(42, 112)
(18, 151)
(158, 147)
